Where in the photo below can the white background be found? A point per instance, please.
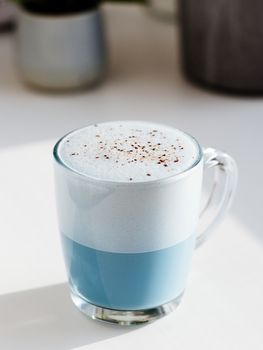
(223, 304)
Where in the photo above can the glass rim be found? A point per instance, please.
(172, 177)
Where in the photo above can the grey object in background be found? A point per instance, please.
(61, 52)
(7, 15)
(222, 42)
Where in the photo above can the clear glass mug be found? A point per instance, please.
(128, 246)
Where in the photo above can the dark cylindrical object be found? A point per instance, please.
(222, 43)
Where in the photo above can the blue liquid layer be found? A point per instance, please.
(127, 281)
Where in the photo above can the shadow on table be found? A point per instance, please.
(45, 318)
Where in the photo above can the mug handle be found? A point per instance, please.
(226, 172)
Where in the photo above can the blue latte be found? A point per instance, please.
(128, 281)
(128, 197)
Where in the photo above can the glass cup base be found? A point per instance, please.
(121, 317)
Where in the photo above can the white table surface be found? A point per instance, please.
(223, 304)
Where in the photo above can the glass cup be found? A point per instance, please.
(128, 246)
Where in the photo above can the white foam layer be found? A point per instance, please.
(129, 151)
(138, 218)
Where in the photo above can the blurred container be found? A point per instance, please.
(7, 16)
(166, 9)
(222, 43)
(61, 51)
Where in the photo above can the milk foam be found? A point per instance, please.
(128, 151)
